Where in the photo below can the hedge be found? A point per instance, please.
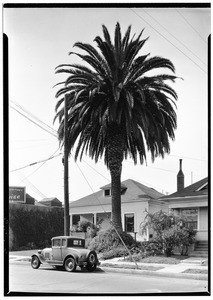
(33, 228)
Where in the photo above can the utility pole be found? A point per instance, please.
(66, 185)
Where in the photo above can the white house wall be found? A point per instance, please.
(138, 208)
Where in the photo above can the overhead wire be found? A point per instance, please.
(50, 132)
(168, 40)
(39, 166)
(31, 185)
(191, 25)
(33, 116)
(174, 37)
(37, 162)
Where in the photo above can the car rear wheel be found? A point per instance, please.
(91, 268)
(91, 261)
(35, 262)
(70, 264)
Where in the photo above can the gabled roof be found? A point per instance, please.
(196, 189)
(135, 192)
(49, 200)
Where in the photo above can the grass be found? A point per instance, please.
(195, 271)
(123, 266)
(160, 259)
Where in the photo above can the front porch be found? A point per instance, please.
(98, 218)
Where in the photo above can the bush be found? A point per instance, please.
(169, 232)
(151, 248)
(108, 240)
(115, 252)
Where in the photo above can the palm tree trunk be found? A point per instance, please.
(116, 200)
(114, 158)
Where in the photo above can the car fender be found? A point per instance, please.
(37, 255)
(74, 255)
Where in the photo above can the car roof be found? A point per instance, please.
(66, 237)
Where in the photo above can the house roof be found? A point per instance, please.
(135, 192)
(195, 189)
(49, 200)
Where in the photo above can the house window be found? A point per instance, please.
(107, 192)
(190, 215)
(75, 219)
(129, 222)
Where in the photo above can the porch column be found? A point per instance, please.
(95, 218)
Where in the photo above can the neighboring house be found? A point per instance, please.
(192, 203)
(136, 198)
(51, 202)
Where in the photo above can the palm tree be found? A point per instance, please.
(115, 110)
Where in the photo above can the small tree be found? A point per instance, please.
(169, 232)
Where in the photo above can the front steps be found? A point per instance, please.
(201, 249)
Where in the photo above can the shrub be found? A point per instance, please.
(109, 239)
(169, 232)
(151, 248)
(115, 252)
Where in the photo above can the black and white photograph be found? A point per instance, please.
(106, 112)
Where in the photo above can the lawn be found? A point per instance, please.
(159, 259)
(195, 271)
(126, 266)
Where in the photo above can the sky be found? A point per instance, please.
(41, 38)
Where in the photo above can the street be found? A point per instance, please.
(22, 278)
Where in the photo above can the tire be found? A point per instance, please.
(91, 268)
(70, 264)
(91, 261)
(35, 262)
(92, 258)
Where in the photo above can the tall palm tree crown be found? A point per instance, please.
(114, 108)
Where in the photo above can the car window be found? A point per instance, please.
(75, 243)
(56, 243)
(64, 242)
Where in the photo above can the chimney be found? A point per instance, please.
(180, 178)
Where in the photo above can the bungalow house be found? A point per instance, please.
(191, 202)
(136, 198)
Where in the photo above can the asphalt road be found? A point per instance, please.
(22, 278)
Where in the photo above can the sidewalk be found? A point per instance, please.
(192, 264)
(195, 266)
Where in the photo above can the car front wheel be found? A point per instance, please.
(35, 262)
(70, 264)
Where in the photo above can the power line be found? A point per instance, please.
(39, 167)
(175, 38)
(50, 132)
(37, 162)
(35, 189)
(168, 41)
(191, 26)
(33, 116)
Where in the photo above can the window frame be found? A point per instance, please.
(126, 224)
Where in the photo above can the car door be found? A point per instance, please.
(56, 250)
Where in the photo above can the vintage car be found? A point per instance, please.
(68, 252)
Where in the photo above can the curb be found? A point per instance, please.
(154, 273)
